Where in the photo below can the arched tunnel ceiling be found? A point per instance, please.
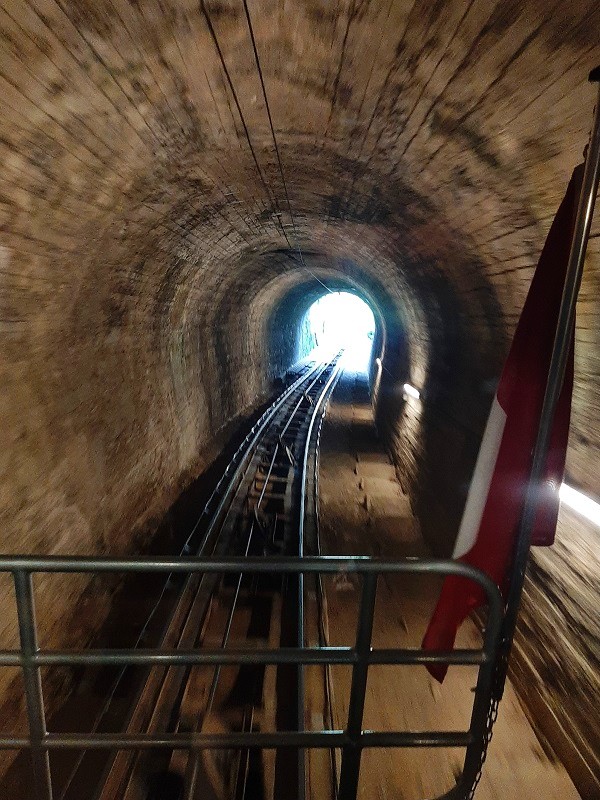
(151, 286)
(422, 147)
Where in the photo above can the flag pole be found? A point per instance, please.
(560, 352)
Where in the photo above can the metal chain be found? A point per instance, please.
(492, 715)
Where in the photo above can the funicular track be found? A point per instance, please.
(259, 512)
(240, 670)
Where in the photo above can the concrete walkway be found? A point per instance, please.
(364, 511)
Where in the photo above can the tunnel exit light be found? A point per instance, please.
(580, 503)
(411, 391)
(341, 320)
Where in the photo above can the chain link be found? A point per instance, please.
(492, 715)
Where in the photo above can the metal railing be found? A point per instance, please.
(352, 739)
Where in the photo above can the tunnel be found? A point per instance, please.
(181, 181)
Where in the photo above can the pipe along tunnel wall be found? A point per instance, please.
(151, 289)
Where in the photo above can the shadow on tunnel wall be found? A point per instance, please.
(434, 440)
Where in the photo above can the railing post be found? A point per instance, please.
(352, 752)
(33, 684)
(301, 691)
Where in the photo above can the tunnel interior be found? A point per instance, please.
(181, 181)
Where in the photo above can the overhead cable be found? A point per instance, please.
(277, 153)
(271, 196)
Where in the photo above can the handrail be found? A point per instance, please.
(360, 657)
(264, 564)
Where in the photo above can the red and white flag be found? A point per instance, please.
(489, 526)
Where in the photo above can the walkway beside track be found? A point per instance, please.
(364, 511)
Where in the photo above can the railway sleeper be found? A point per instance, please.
(279, 471)
(267, 497)
(243, 702)
(274, 484)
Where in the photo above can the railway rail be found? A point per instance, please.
(259, 512)
(222, 708)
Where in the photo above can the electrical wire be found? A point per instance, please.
(277, 152)
(270, 195)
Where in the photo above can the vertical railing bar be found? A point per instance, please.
(33, 684)
(301, 690)
(351, 753)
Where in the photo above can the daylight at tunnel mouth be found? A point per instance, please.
(299, 333)
(342, 321)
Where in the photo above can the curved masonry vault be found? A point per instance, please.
(151, 289)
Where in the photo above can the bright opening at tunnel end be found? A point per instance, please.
(341, 320)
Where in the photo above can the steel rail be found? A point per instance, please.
(328, 388)
(322, 606)
(266, 479)
(192, 771)
(257, 507)
(247, 448)
(224, 492)
(200, 595)
(242, 455)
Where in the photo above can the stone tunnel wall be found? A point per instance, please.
(149, 235)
